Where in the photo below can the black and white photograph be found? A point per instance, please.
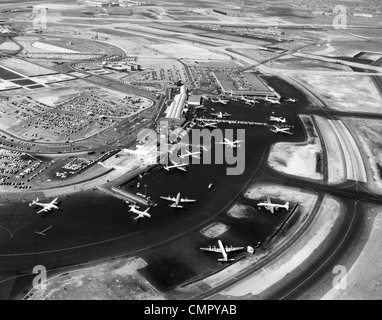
(190, 155)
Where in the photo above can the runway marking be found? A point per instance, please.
(11, 233)
(41, 233)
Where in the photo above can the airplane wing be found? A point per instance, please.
(271, 209)
(231, 249)
(182, 168)
(43, 210)
(54, 201)
(169, 198)
(212, 249)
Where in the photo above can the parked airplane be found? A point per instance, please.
(231, 144)
(273, 101)
(42, 233)
(191, 154)
(277, 119)
(291, 100)
(223, 250)
(219, 100)
(281, 130)
(268, 205)
(140, 214)
(46, 207)
(179, 166)
(221, 115)
(249, 101)
(177, 200)
(209, 124)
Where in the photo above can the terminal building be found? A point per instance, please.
(175, 110)
(255, 87)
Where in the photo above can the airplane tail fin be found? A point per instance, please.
(287, 206)
(34, 202)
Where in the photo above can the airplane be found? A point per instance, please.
(46, 207)
(231, 144)
(291, 100)
(223, 250)
(273, 101)
(281, 130)
(219, 100)
(201, 107)
(268, 205)
(179, 166)
(277, 119)
(42, 233)
(221, 115)
(140, 214)
(249, 101)
(209, 124)
(192, 154)
(177, 200)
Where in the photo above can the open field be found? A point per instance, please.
(112, 280)
(346, 93)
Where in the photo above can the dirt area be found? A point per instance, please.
(113, 280)
(214, 230)
(367, 133)
(299, 159)
(240, 211)
(345, 93)
(364, 279)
